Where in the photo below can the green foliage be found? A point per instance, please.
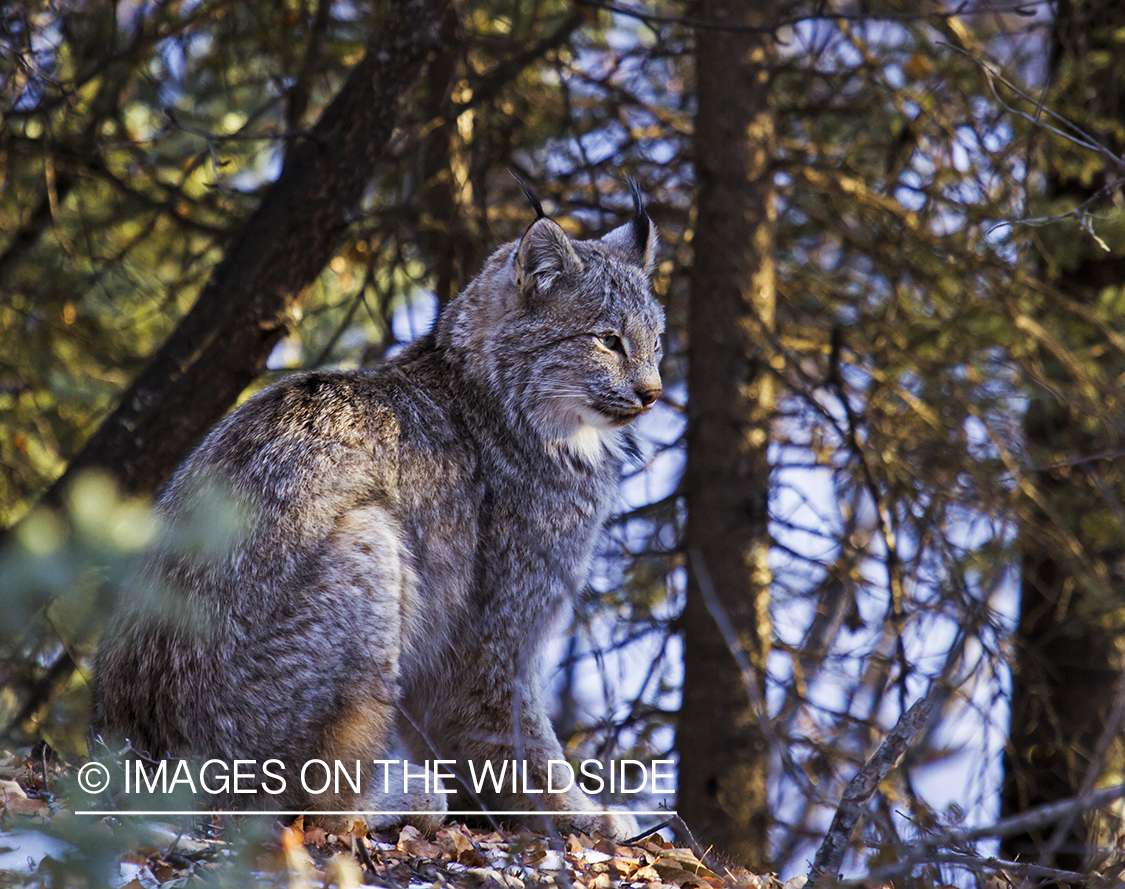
(58, 575)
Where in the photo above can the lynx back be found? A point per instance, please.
(410, 538)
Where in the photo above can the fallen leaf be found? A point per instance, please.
(409, 832)
(752, 881)
(460, 847)
(11, 789)
(647, 874)
(491, 874)
(411, 841)
(15, 800)
(292, 837)
(685, 857)
(672, 871)
(29, 807)
(609, 847)
(134, 858)
(624, 866)
(315, 836)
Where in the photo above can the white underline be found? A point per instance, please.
(276, 813)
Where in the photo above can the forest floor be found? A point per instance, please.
(43, 843)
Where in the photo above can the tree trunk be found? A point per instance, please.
(720, 742)
(1068, 644)
(222, 344)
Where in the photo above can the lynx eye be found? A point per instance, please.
(612, 342)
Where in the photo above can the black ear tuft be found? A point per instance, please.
(642, 225)
(636, 240)
(539, 214)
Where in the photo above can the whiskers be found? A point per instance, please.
(569, 393)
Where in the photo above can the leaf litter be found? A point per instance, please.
(304, 856)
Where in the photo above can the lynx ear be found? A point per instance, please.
(544, 255)
(636, 240)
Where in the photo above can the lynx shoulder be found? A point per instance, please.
(408, 539)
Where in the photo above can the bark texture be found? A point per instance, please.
(720, 741)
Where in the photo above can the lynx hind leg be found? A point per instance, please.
(391, 791)
(368, 592)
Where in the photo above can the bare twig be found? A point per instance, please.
(364, 854)
(929, 850)
(1023, 7)
(1035, 818)
(360, 298)
(1067, 129)
(1097, 761)
(1076, 135)
(730, 638)
(685, 832)
(884, 517)
(971, 862)
(830, 855)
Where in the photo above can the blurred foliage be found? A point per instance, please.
(58, 573)
(915, 328)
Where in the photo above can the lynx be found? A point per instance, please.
(411, 538)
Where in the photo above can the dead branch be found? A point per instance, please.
(970, 862)
(830, 855)
(931, 849)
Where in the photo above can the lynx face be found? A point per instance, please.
(574, 338)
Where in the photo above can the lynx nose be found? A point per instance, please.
(648, 396)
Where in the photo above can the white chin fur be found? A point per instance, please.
(587, 442)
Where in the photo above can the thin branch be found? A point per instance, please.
(1078, 136)
(360, 298)
(860, 789)
(1029, 820)
(962, 10)
(730, 638)
(1095, 769)
(297, 102)
(972, 862)
(883, 517)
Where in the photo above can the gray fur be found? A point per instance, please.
(411, 537)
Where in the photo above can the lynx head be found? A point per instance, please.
(567, 333)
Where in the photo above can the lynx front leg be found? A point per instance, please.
(501, 739)
(535, 744)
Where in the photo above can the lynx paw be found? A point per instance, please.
(617, 825)
(426, 811)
